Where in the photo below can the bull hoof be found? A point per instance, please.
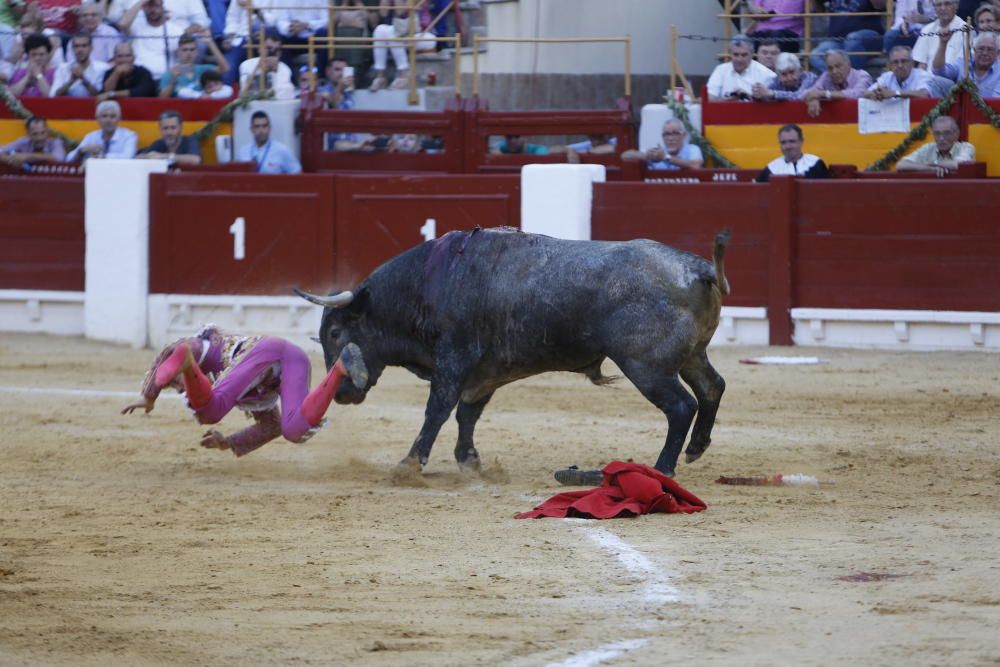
(573, 476)
(408, 472)
(470, 464)
(694, 452)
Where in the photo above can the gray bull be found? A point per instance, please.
(473, 311)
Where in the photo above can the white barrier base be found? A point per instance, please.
(173, 316)
(742, 326)
(896, 329)
(42, 311)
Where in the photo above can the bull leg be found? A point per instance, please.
(442, 400)
(467, 415)
(708, 387)
(664, 390)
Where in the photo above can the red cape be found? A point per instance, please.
(628, 489)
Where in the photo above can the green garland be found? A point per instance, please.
(680, 112)
(225, 114)
(18, 109)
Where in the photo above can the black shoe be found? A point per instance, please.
(573, 476)
(354, 364)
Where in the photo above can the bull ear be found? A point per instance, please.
(359, 304)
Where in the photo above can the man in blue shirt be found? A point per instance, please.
(902, 79)
(985, 70)
(272, 157)
(673, 152)
(850, 32)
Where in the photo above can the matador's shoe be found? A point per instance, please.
(354, 364)
(573, 476)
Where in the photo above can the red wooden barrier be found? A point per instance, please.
(687, 216)
(195, 232)
(916, 245)
(379, 217)
(446, 124)
(41, 233)
(133, 108)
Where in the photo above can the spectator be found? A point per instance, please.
(514, 144)
(839, 82)
(944, 34)
(674, 152)
(84, 77)
(189, 12)
(212, 86)
(272, 157)
(306, 18)
(37, 146)
(765, 25)
(110, 140)
(909, 17)
(396, 25)
(734, 81)
(184, 78)
(984, 71)
(103, 37)
(767, 53)
(355, 21)
(10, 12)
(987, 19)
(902, 79)
(595, 144)
(944, 155)
(852, 34)
(35, 78)
(793, 162)
(155, 35)
(234, 41)
(790, 84)
(31, 24)
(125, 78)
(337, 91)
(276, 75)
(172, 144)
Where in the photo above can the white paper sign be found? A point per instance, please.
(888, 116)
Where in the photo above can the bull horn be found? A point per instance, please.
(332, 301)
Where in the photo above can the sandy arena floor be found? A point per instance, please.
(123, 542)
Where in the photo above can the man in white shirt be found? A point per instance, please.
(902, 79)
(276, 75)
(946, 30)
(190, 12)
(734, 81)
(155, 35)
(103, 37)
(84, 76)
(110, 140)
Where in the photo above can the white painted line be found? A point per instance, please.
(601, 654)
(658, 588)
(67, 391)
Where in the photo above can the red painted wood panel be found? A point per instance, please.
(41, 233)
(925, 245)
(289, 233)
(133, 108)
(380, 217)
(779, 113)
(687, 216)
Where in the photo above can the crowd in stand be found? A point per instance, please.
(149, 48)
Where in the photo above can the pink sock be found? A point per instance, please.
(315, 404)
(171, 366)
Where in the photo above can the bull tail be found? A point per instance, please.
(593, 373)
(718, 251)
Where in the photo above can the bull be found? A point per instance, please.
(474, 311)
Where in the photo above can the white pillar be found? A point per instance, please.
(556, 199)
(117, 255)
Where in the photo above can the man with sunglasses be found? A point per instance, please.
(902, 79)
(673, 152)
(793, 162)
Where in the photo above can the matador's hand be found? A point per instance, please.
(214, 440)
(146, 403)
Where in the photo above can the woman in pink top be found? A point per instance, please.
(786, 29)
